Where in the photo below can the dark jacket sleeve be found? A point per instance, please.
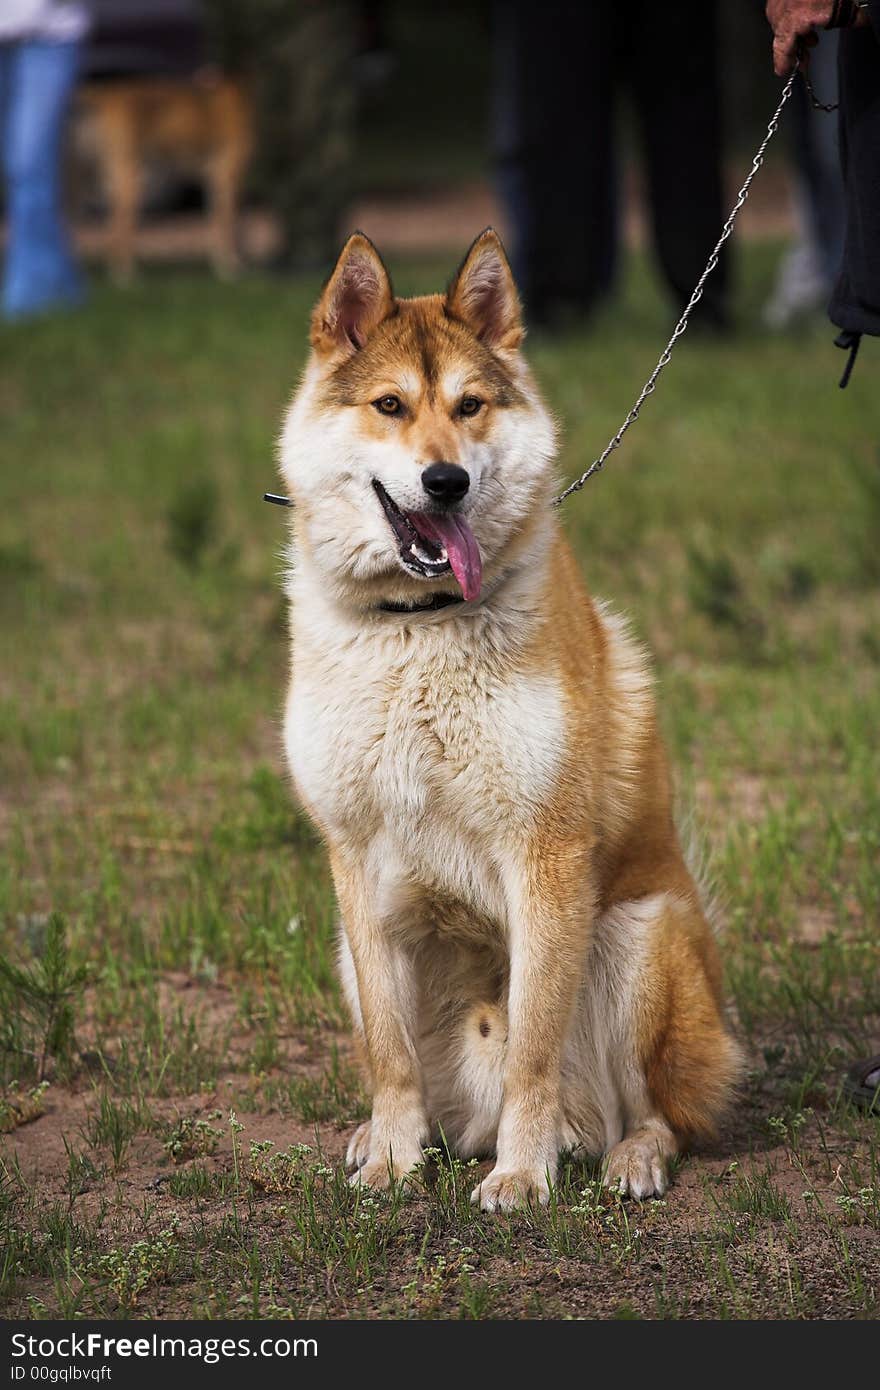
(855, 303)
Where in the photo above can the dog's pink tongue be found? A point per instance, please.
(460, 544)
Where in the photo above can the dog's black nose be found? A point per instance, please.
(446, 482)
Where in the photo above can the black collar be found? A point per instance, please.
(434, 603)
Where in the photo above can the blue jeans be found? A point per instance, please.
(36, 81)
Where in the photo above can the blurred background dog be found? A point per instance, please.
(201, 126)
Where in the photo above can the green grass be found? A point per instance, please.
(189, 971)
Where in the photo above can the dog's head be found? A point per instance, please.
(417, 450)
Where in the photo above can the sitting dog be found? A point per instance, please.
(203, 126)
(523, 950)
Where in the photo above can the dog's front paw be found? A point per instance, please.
(636, 1167)
(358, 1150)
(507, 1190)
(379, 1173)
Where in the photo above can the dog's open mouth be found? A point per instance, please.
(434, 544)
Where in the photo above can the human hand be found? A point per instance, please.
(794, 24)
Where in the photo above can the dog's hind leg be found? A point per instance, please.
(224, 178)
(639, 1165)
(673, 1062)
(123, 183)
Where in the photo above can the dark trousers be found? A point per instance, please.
(560, 69)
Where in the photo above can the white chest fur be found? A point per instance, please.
(428, 752)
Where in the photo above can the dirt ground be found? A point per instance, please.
(427, 222)
(722, 1243)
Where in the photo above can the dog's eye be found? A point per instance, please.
(470, 405)
(388, 405)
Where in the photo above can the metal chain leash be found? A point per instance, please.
(816, 104)
(682, 324)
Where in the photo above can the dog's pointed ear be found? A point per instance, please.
(354, 301)
(483, 294)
